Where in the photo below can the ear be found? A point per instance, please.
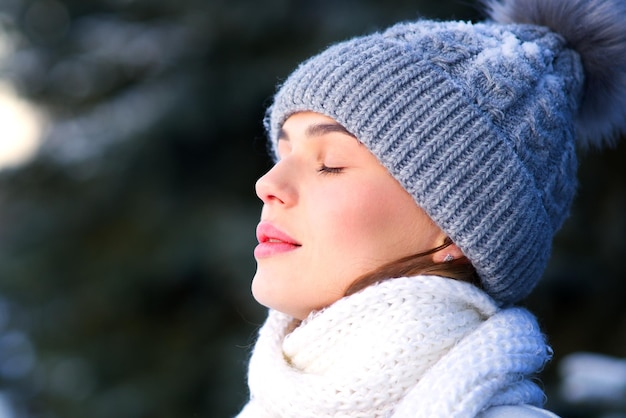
(447, 254)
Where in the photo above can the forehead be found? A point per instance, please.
(310, 125)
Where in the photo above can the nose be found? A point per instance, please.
(275, 187)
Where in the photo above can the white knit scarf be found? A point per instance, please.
(422, 346)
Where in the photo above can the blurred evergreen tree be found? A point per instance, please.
(125, 247)
(125, 244)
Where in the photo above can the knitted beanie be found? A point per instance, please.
(480, 122)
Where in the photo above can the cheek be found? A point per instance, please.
(366, 225)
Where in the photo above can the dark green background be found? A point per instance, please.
(126, 245)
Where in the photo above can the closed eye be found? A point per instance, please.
(329, 170)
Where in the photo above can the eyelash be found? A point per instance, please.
(329, 170)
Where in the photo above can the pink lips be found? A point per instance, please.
(272, 241)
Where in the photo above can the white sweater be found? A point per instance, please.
(516, 411)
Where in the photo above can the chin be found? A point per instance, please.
(263, 290)
(258, 288)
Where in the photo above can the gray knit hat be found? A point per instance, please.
(479, 122)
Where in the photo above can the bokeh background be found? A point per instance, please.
(130, 140)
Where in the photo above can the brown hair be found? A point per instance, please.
(412, 265)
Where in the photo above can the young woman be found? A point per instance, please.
(420, 176)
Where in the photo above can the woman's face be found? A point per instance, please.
(331, 213)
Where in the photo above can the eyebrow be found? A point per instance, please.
(318, 129)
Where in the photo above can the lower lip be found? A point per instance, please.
(268, 249)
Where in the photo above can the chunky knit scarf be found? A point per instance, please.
(422, 346)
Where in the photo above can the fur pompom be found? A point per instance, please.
(596, 29)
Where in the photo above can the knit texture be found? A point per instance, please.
(423, 346)
(473, 120)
